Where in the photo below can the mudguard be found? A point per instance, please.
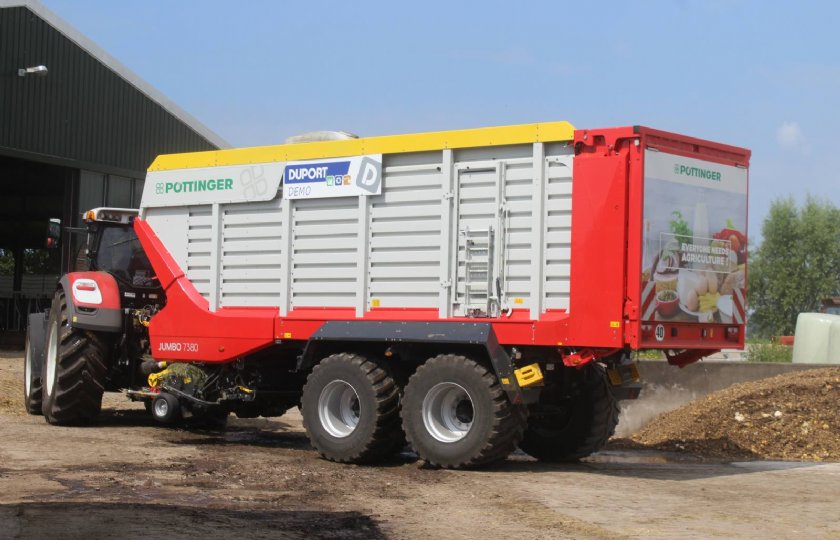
(93, 301)
(461, 333)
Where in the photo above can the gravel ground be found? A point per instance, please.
(126, 478)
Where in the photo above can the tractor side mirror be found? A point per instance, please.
(53, 233)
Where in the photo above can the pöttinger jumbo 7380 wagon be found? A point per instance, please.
(464, 292)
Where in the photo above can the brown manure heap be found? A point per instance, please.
(795, 416)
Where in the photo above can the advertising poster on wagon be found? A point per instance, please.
(695, 243)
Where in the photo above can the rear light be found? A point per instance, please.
(733, 333)
(85, 287)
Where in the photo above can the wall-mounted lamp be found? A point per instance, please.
(41, 71)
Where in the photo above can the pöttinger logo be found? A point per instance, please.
(697, 172)
(159, 188)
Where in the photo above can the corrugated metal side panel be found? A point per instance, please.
(81, 110)
(405, 232)
(519, 182)
(558, 235)
(495, 190)
(387, 250)
(324, 255)
(199, 249)
(251, 254)
(477, 211)
(170, 225)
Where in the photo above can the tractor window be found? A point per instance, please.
(121, 254)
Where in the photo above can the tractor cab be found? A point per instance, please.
(112, 246)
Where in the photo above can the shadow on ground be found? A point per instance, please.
(72, 521)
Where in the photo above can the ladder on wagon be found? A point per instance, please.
(481, 288)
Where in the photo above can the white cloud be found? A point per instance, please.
(789, 135)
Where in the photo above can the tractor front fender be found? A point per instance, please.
(93, 301)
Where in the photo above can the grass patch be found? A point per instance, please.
(768, 351)
(650, 354)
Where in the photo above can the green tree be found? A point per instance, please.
(7, 262)
(796, 266)
(41, 261)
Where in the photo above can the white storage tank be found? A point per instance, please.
(817, 339)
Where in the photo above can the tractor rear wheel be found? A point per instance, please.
(350, 409)
(570, 427)
(456, 415)
(74, 370)
(32, 391)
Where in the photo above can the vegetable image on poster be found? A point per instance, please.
(695, 242)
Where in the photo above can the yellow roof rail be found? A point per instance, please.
(387, 144)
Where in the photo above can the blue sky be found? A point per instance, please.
(764, 75)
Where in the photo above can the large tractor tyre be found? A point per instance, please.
(456, 415)
(568, 428)
(74, 370)
(350, 409)
(32, 367)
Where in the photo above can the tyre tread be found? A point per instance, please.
(598, 430)
(508, 420)
(81, 368)
(386, 434)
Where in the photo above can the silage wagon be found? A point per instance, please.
(466, 292)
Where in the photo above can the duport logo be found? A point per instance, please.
(332, 174)
(349, 177)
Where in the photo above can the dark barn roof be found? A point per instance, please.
(89, 111)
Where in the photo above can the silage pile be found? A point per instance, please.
(795, 416)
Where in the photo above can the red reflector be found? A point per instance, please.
(85, 287)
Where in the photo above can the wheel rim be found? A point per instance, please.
(52, 357)
(448, 412)
(161, 408)
(339, 409)
(27, 369)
